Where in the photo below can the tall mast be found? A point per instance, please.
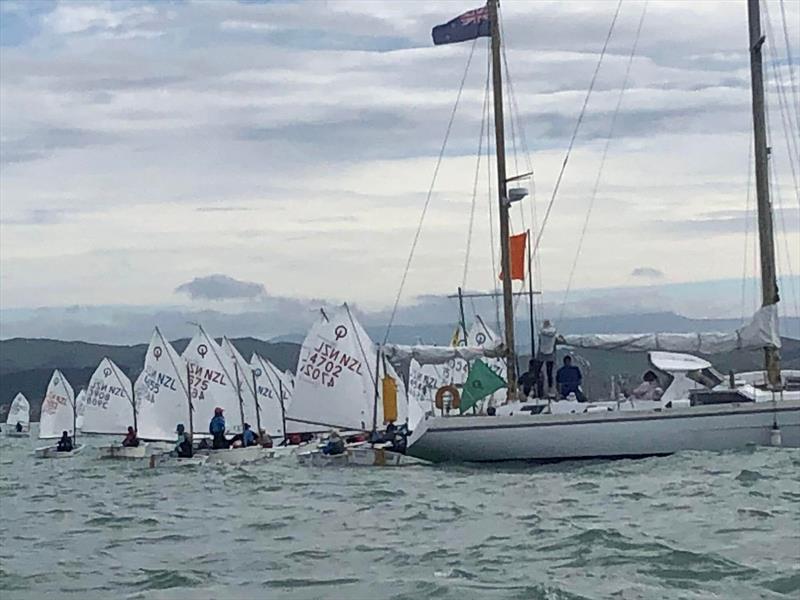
(508, 303)
(769, 283)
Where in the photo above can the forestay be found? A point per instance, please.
(19, 411)
(761, 332)
(274, 389)
(161, 391)
(212, 382)
(335, 381)
(58, 408)
(243, 375)
(109, 404)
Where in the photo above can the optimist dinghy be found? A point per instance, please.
(59, 413)
(19, 413)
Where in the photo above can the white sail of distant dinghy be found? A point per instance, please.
(109, 406)
(482, 336)
(274, 395)
(58, 408)
(243, 377)
(423, 382)
(336, 378)
(212, 382)
(761, 332)
(161, 392)
(80, 408)
(19, 412)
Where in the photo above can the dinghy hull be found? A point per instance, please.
(356, 457)
(238, 456)
(18, 434)
(52, 452)
(124, 452)
(168, 461)
(621, 434)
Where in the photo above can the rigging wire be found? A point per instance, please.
(430, 194)
(747, 225)
(603, 157)
(577, 128)
(790, 57)
(484, 110)
(784, 104)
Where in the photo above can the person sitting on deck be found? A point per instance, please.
(65, 443)
(529, 380)
(248, 437)
(335, 444)
(131, 440)
(649, 388)
(217, 430)
(18, 427)
(569, 379)
(183, 445)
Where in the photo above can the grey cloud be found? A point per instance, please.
(220, 287)
(728, 222)
(647, 273)
(43, 142)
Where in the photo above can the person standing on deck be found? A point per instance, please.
(548, 338)
(569, 379)
(217, 430)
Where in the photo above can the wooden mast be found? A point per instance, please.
(769, 283)
(508, 303)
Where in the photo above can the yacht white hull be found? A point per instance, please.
(614, 434)
(18, 434)
(356, 457)
(124, 452)
(237, 456)
(52, 452)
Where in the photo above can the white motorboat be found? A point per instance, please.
(53, 452)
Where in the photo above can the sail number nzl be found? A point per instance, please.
(326, 363)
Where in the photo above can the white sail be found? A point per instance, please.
(109, 400)
(19, 411)
(161, 391)
(761, 332)
(212, 383)
(80, 408)
(244, 374)
(274, 389)
(335, 380)
(58, 408)
(423, 382)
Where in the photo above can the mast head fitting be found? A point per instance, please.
(516, 194)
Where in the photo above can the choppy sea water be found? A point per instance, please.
(693, 525)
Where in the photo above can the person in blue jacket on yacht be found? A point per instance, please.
(569, 379)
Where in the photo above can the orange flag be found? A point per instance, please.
(516, 247)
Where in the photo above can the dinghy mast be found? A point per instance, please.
(508, 295)
(769, 284)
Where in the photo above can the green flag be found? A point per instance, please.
(481, 382)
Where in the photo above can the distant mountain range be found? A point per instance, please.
(27, 364)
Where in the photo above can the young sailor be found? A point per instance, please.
(248, 437)
(131, 440)
(335, 444)
(183, 445)
(18, 427)
(217, 430)
(65, 443)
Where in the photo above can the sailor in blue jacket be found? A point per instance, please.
(217, 430)
(569, 379)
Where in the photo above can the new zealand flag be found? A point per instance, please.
(472, 24)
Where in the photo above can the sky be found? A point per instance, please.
(225, 154)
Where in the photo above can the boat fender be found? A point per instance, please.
(448, 389)
(775, 438)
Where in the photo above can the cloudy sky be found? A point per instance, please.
(181, 153)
